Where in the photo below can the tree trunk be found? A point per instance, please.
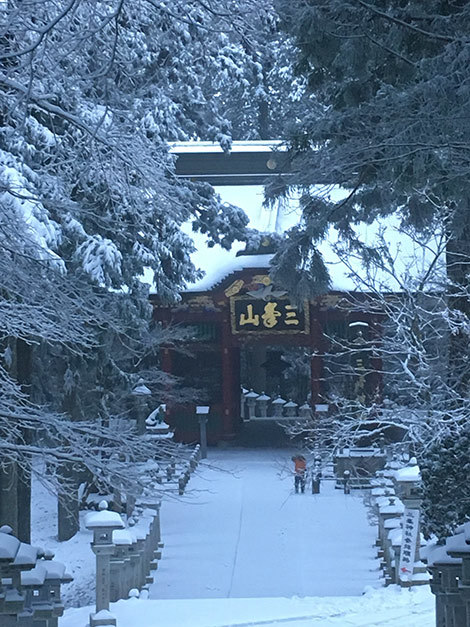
(9, 496)
(68, 517)
(67, 511)
(458, 268)
(23, 484)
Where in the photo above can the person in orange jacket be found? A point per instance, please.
(300, 472)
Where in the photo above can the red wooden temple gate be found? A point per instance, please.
(243, 312)
(240, 313)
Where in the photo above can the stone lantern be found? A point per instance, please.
(446, 573)
(408, 481)
(458, 546)
(305, 411)
(250, 401)
(103, 523)
(278, 404)
(141, 394)
(291, 409)
(262, 401)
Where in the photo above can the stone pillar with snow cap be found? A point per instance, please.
(278, 405)
(291, 409)
(12, 601)
(262, 402)
(305, 411)
(389, 507)
(103, 523)
(411, 571)
(446, 572)
(458, 546)
(251, 403)
(119, 561)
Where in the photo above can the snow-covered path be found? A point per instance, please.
(241, 544)
(241, 532)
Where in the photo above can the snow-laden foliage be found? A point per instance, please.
(388, 124)
(91, 93)
(390, 85)
(396, 366)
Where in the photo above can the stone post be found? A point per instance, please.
(316, 477)
(278, 405)
(291, 409)
(305, 411)
(408, 481)
(458, 547)
(262, 402)
(446, 572)
(201, 412)
(103, 523)
(250, 401)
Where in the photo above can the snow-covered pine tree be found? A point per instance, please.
(390, 82)
(446, 497)
(90, 94)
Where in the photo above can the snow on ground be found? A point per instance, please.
(390, 607)
(242, 549)
(243, 532)
(76, 554)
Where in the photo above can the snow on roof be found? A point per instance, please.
(219, 269)
(34, 577)
(54, 569)
(123, 537)
(237, 146)
(458, 544)
(26, 555)
(9, 546)
(437, 554)
(410, 257)
(408, 474)
(104, 518)
(396, 507)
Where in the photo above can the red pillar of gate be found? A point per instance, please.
(166, 362)
(316, 358)
(230, 378)
(375, 377)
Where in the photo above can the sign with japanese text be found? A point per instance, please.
(252, 315)
(408, 543)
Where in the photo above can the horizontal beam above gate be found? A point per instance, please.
(248, 162)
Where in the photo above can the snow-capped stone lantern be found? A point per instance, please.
(250, 401)
(103, 523)
(278, 404)
(141, 394)
(305, 411)
(408, 481)
(291, 409)
(262, 402)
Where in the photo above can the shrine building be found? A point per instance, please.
(251, 354)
